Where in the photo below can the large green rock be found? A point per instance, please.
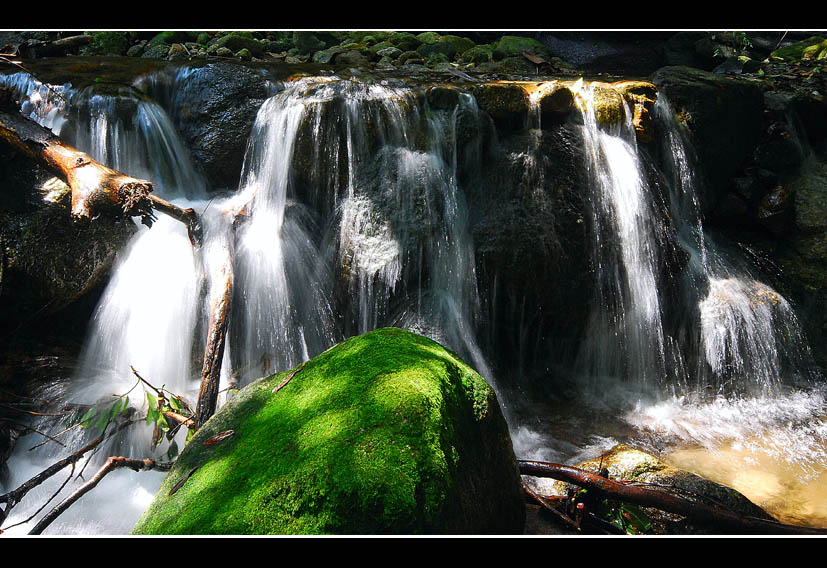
(385, 433)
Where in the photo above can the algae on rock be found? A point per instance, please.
(385, 433)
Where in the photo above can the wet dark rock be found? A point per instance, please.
(775, 211)
(633, 54)
(49, 260)
(723, 115)
(530, 235)
(556, 103)
(507, 104)
(442, 97)
(215, 111)
(351, 58)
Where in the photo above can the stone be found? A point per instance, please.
(214, 111)
(641, 97)
(107, 43)
(724, 116)
(609, 107)
(509, 46)
(623, 462)
(506, 103)
(234, 42)
(385, 433)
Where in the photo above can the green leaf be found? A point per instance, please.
(162, 422)
(101, 422)
(152, 400)
(637, 518)
(152, 415)
(175, 403)
(114, 410)
(86, 420)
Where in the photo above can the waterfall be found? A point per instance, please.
(393, 234)
(350, 216)
(626, 336)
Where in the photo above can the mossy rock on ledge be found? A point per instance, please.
(385, 433)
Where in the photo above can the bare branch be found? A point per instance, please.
(661, 499)
(112, 463)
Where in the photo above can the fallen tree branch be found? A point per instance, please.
(96, 188)
(112, 463)
(661, 499)
(220, 300)
(565, 519)
(14, 496)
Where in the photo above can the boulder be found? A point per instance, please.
(506, 103)
(724, 117)
(385, 433)
(214, 110)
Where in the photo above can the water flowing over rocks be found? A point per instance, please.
(557, 232)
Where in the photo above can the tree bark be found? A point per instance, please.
(220, 299)
(96, 189)
(661, 499)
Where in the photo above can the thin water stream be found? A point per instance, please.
(387, 241)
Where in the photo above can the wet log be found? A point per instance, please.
(220, 296)
(663, 499)
(96, 189)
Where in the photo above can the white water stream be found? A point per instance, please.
(395, 240)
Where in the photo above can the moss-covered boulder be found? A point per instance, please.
(448, 45)
(510, 46)
(609, 106)
(107, 43)
(506, 103)
(385, 433)
(810, 48)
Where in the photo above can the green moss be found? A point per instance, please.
(107, 43)
(799, 50)
(609, 107)
(510, 46)
(366, 438)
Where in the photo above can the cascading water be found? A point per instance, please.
(626, 337)
(733, 370)
(147, 319)
(350, 216)
(396, 236)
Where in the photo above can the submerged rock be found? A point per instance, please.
(386, 433)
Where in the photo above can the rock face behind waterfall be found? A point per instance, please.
(386, 433)
(49, 261)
